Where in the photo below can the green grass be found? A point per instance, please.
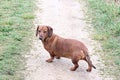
(16, 17)
(106, 21)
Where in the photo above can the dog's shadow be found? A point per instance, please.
(64, 64)
(61, 68)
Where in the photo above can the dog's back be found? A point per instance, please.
(69, 47)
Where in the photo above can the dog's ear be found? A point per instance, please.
(37, 30)
(50, 31)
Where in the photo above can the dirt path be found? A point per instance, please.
(67, 18)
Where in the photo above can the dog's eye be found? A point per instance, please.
(45, 31)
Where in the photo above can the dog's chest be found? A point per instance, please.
(48, 47)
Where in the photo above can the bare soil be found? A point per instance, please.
(67, 17)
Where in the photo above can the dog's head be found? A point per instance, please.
(44, 32)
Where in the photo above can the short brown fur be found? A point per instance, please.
(60, 47)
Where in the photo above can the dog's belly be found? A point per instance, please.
(63, 52)
(66, 55)
(65, 48)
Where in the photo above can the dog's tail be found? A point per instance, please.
(89, 61)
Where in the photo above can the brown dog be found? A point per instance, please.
(60, 47)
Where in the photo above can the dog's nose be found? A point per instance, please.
(40, 38)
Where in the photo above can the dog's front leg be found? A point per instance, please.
(50, 59)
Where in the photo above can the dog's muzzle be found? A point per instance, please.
(40, 38)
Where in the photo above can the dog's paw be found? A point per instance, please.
(72, 68)
(88, 70)
(49, 60)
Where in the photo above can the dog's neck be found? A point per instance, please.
(51, 39)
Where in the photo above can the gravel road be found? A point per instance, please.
(67, 17)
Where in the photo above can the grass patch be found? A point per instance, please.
(106, 21)
(16, 17)
(27, 16)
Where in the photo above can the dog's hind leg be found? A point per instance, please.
(75, 62)
(90, 65)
